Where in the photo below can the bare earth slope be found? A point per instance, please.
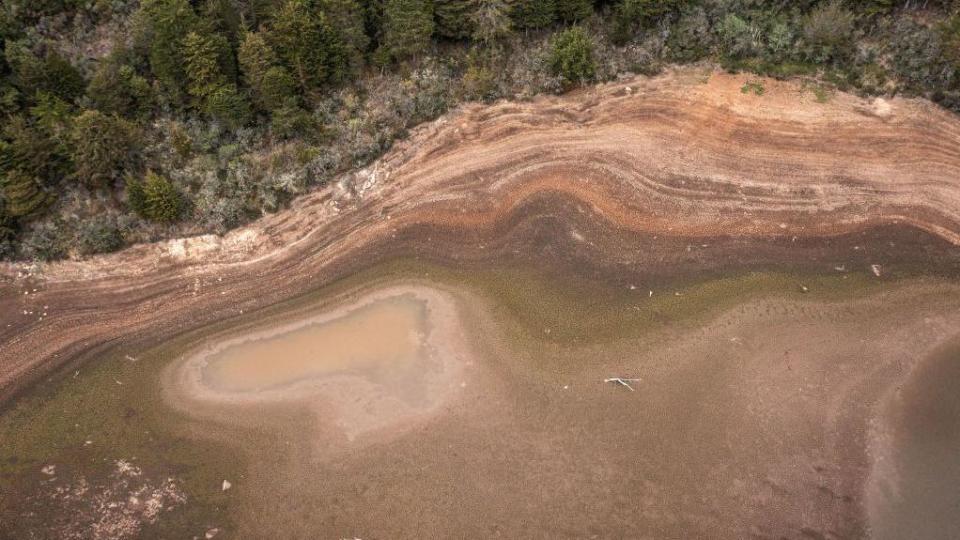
(633, 171)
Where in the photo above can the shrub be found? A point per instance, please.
(289, 121)
(99, 234)
(739, 38)
(691, 37)
(828, 32)
(571, 56)
(781, 41)
(44, 241)
(919, 56)
(155, 198)
(478, 82)
(228, 106)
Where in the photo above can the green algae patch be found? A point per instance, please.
(571, 312)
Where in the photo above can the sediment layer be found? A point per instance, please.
(638, 180)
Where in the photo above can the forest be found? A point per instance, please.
(126, 121)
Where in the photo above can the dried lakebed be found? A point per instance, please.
(758, 411)
(780, 276)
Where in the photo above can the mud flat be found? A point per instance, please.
(752, 421)
(391, 357)
(914, 487)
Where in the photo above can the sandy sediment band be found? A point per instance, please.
(638, 178)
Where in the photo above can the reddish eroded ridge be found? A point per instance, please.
(627, 173)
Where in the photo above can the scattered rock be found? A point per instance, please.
(876, 269)
(226, 485)
(49, 470)
(211, 533)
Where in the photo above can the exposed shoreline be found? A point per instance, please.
(638, 175)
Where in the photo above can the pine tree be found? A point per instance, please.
(408, 25)
(454, 18)
(49, 73)
(6, 228)
(117, 88)
(214, 92)
(573, 10)
(308, 45)
(102, 147)
(532, 14)
(271, 84)
(491, 21)
(161, 26)
(201, 64)
(32, 149)
(255, 56)
(21, 193)
(629, 15)
(347, 17)
(277, 88)
(222, 17)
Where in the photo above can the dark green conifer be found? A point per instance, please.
(454, 18)
(532, 14)
(102, 147)
(408, 25)
(308, 45)
(22, 194)
(573, 10)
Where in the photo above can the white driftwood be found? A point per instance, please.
(622, 381)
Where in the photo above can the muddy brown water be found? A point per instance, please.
(384, 341)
